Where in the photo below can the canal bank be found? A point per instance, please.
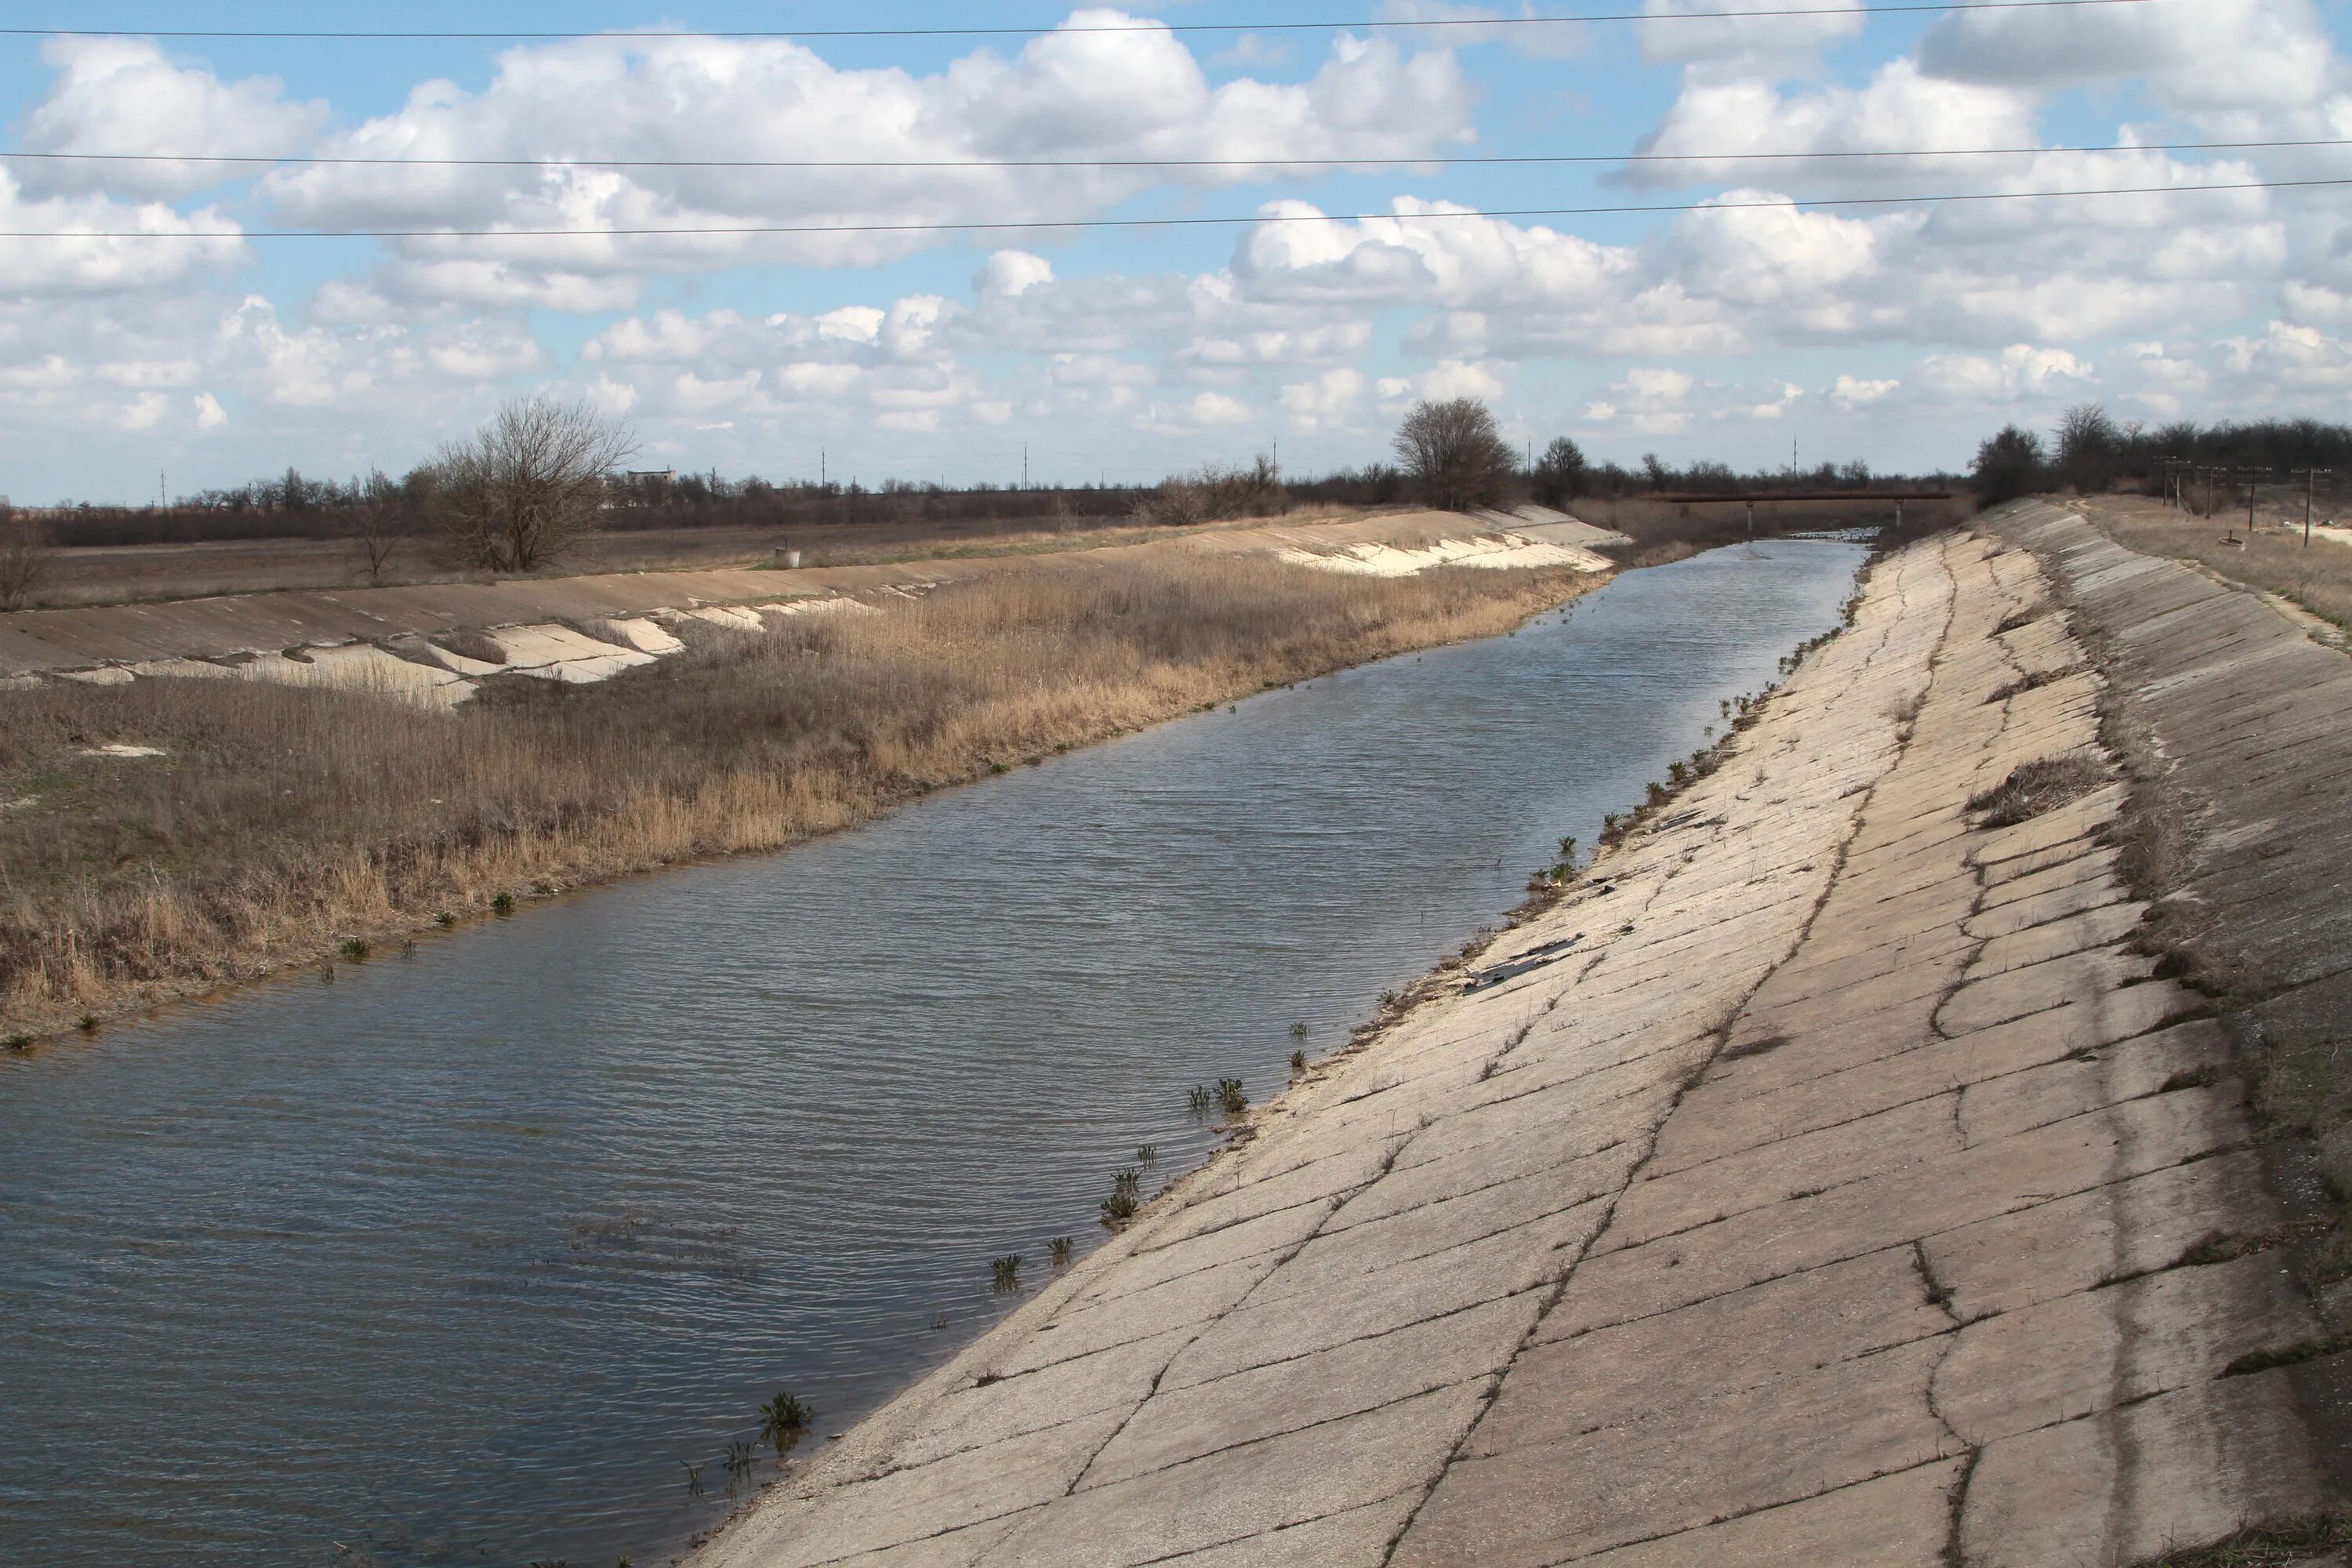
(479, 1253)
(1828, 1179)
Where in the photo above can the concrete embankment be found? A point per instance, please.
(385, 639)
(1826, 1180)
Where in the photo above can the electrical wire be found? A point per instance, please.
(1366, 24)
(1461, 162)
(977, 226)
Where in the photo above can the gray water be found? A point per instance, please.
(464, 1257)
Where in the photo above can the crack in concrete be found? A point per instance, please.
(1691, 1078)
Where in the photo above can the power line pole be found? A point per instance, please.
(2175, 474)
(2310, 477)
(1024, 466)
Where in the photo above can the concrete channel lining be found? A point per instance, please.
(1815, 1185)
(385, 639)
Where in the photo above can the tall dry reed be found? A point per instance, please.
(282, 821)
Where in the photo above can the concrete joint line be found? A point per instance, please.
(1722, 1033)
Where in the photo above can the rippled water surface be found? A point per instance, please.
(464, 1257)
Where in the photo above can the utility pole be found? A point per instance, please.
(2310, 477)
(821, 480)
(2175, 470)
(1024, 466)
(2254, 479)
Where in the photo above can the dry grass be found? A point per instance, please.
(2032, 788)
(283, 822)
(2273, 557)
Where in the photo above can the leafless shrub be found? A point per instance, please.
(523, 489)
(25, 556)
(1214, 494)
(379, 524)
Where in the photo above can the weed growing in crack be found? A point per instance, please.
(2035, 787)
(1230, 1099)
(1119, 1208)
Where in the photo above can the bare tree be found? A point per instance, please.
(2089, 447)
(378, 521)
(1454, 451)
(24, 559)
(1562, 473)
(524, 488)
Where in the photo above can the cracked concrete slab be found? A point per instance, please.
(1812, 1183)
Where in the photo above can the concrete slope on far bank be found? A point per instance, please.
(128, 640)
(1812, 1185)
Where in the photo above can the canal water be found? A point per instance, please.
(486, 1254)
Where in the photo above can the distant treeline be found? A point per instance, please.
(2089, 451)
(1558, 478)
(297, 506)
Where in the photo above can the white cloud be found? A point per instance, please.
(1853, 392)
(122, 95)
(2216, 55)
(210, 415)
(1899, 109)
(1744, 44)
(1214, 411)
(1328, 401)
(83, 261)
(1137, 92)
(1447, 379)
(1009, 274)
(2019, 371)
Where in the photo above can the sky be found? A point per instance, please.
(1317, 304)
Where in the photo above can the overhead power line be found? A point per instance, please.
(1352, 26)
(1469, 161)
(690, 231)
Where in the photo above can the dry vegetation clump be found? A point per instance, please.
(282, 822)
(1215, 494)
(2035, 787)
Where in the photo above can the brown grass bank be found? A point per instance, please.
(2273, 557)
(281, 823)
